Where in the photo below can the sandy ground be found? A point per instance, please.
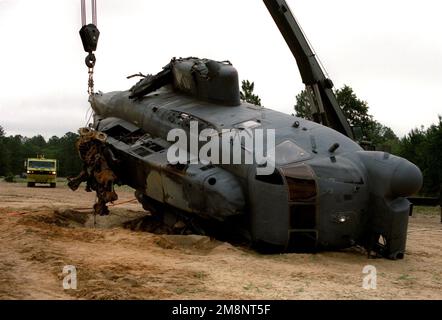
(38, 237)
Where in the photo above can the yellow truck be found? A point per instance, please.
(41, 170)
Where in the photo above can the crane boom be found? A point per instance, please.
(325, 106)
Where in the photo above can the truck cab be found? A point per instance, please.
(41, 170)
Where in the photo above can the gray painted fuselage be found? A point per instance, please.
(317, 197)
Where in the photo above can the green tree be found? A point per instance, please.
(14, 154)
(355, 109)
(424, 148)
(70, 163)
(3, 159)
(303, 106)
(382, 137)
(34, 146)
(433, 154)
(247, 94)
(356, 112)
(51, 149)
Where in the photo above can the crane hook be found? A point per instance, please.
(90, 60)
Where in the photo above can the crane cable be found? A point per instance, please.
(89, 34)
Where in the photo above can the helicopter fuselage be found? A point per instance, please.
(325, 191)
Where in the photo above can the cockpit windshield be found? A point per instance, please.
(41, 164)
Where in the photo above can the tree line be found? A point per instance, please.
(15, 149)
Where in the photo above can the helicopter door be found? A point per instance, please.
(269, 209)
(302, 201)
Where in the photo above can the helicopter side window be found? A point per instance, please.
(123, 134)
(117, 131)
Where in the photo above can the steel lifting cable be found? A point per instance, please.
(89, 35)
(83, 13)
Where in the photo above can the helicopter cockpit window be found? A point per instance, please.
(288, 152)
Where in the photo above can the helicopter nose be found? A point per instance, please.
(406, 179)
(391, 175)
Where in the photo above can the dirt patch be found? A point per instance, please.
(42, 230)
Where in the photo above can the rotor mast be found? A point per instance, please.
(319, 88)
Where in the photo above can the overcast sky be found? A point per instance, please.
(390, 52)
